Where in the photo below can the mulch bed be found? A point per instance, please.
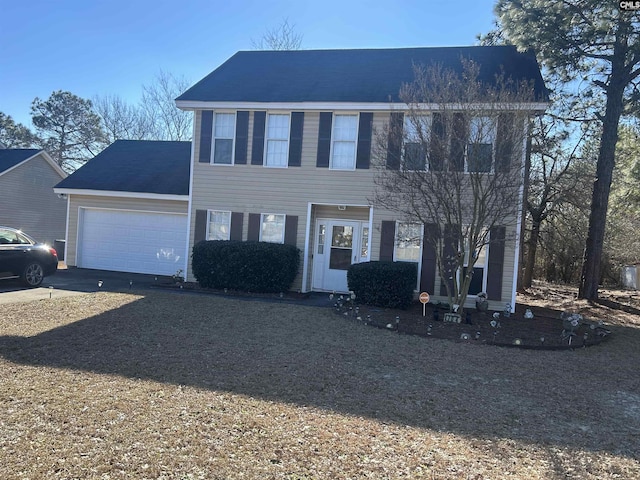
(544, 331)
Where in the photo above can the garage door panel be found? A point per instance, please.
(140, 242)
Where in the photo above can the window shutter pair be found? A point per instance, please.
(200, 233)
(290, 228)
(363, 148)
(206, 136)
(295, 138)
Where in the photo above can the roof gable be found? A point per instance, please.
(361, 76)
(10, 157)
(157, 167)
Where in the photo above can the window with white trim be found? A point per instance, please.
(416, 131)
(224, 130)
(272, 228)
(482, 138)
(219, 227)
(478, 280)
(408, 242)
(277, 140)
(344, 138)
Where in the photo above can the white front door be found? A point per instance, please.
(338, 244)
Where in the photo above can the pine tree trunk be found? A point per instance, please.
(602, 185)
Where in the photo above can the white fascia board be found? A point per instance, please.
(347, 106)
(111, 193)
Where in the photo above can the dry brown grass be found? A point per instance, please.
(164, 385)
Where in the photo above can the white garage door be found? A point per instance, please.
(128, 241)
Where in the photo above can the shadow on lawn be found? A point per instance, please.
(309, 356)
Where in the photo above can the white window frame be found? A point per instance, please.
(409, 126)
(485, 266)
(334, 141)
(209, 215)
(284, 225)
(397, 241)
(418, 262)
(214, 137)
(492, 135)
(267, 139)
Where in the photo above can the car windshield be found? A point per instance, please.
(12, 237)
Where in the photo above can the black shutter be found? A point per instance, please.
(235, 232)
(291, 230)
(458, 142)
(200, 232)
(387, 240)
(295, 139)
(257, 148)
(324, 140)
(449, 257)
(437, 151)
(428, 274)
(496, 263)
(206, 133)
(365, 127)
(394, 143)
(505, 141)
(242, 137)
(253, 235)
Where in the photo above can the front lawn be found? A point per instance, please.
(164, 385)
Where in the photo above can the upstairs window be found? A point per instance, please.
(277, 141)
(344, 140)
(219, 225)
(482, 136)
(416, 131)
(223, 135)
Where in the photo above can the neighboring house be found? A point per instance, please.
(27, 200)
(282, 152)
(127, 208)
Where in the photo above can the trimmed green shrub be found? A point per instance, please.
(383, 284)
(246, 266)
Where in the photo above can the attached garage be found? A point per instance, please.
(132, 241)
(127, 208)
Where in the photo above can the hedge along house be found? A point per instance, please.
(127, 208)
(282, 152)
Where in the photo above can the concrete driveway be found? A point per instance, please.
(76, 281)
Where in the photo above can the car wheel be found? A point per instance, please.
(33, 274)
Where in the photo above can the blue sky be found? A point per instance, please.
(101, 47)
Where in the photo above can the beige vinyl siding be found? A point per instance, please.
(29, 203)
(258, 189)
(76, 202)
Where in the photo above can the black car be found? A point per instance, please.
(22, 257)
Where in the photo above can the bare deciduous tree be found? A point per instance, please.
(454, 162)
(123, 121)
(158, 103)
(283, 37)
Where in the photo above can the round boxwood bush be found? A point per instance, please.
(383, 284)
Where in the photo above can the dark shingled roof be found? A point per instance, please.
(136, 166)
(360, 76)
(10, 157)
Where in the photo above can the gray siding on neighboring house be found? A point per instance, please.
(76, 202)
(27, 200)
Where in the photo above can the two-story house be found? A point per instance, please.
(282, 152)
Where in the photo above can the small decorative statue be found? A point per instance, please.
(482, 304)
